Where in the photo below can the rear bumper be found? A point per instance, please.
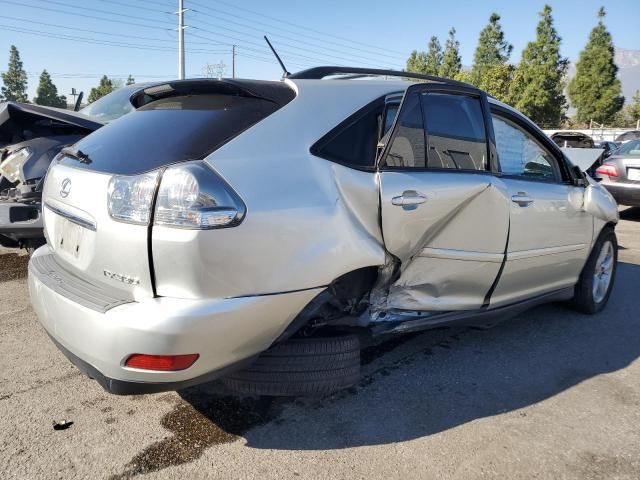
(625, 194)
(20, 223)
(226, 333)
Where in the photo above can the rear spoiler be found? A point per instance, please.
(277, 92)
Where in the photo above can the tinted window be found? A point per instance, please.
(355, 143)
(455, 132)
(111, 106)
(630, 148)
(170, 130)
(519, 154)
(407, 149)
(389, 116)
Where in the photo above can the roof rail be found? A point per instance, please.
(318, 73)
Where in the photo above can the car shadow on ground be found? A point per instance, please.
(632, 214)
(418, 385)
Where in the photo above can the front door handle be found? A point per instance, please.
(409, 200)
(522, 199)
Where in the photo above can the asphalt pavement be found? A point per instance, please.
(551, 394)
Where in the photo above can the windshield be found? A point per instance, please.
(112, 106)
(630, 148)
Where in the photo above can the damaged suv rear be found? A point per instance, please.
(258, 231)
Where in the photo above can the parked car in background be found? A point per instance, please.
(259, 231)
(608, 147)
(628, 136)
(30, 137)
(573, 140)
(620, 174)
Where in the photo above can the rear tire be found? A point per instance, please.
(596, 280)
(301, 366)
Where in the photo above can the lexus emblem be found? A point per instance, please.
(65, 188)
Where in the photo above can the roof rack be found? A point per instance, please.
(318, 73)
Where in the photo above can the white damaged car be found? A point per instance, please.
(257, 231)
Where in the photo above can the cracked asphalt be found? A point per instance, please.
(550, 394)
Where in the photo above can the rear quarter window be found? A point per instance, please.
(354, 141)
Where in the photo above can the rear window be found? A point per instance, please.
(169, 130)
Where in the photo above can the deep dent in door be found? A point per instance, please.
(435, 275)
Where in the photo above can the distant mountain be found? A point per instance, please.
(628, 62)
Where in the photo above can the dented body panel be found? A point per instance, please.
(443, 265)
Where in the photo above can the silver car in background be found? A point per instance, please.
(620, 174)
(262, 231)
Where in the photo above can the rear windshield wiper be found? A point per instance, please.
(76, 154)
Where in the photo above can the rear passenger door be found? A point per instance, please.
(445, 216)
(550, 233)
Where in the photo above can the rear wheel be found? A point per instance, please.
(301, 366)
(596, 280)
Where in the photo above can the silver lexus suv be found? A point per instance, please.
(261, 232)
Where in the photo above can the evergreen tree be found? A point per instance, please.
(428, 62)
(496, 81)
(451, 61)
(434, 57)
(492, 48)
(130, 80)
(629, 115)
(538, 82)
(105, 87)
(634, 108)
(47, 93)
(15, 79)
(595, 91)
(417, 62)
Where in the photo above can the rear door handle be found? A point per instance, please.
(409, 200)
(522, 199)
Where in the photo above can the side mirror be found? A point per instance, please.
(579, 177)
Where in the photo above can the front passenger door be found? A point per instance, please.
(550, 234)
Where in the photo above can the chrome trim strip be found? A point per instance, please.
(450, 254)
(538, 252)
(88, 224)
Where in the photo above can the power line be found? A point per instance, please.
(110, 34)
(303, 27)
(349, 57)
(146, 9)
(137, 25)
(106, 12)
(235, 39)
(103, 42)
(298, 35)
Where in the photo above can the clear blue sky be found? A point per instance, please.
(139, 39)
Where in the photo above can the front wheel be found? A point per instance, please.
(596, 280)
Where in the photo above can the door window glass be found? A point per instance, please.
(519, 154)
(407, 149)
(455, 132)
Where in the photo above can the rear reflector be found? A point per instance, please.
(162, 363)
(608, 170)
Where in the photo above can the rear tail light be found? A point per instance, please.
(192, 195)
(162, 363)
(608, 170)
(130, 197)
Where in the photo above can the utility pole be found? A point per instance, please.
(74, 94)
(181, 39)
(233, 61)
